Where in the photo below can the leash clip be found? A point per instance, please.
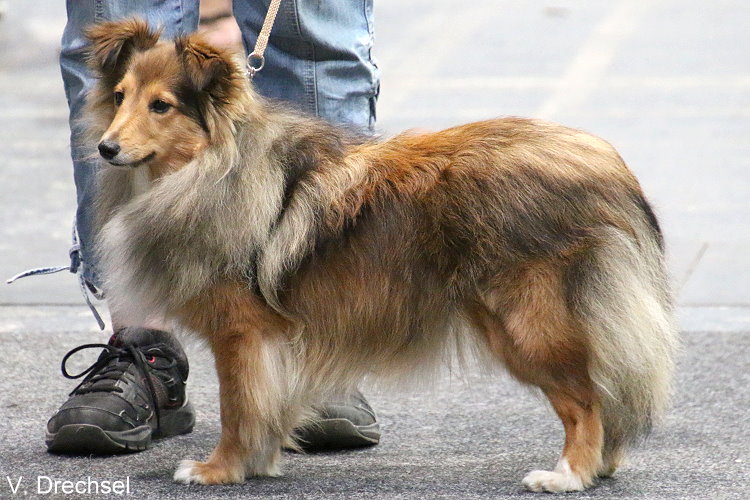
(255, 60)
(255, 63)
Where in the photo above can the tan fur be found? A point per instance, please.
(531, 328)
(309, 259)
(171, 139)
(239, 329)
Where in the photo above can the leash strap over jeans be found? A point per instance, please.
(255, 60)
(75, 259)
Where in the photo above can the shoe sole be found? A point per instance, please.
(338, 434)
(91, 439)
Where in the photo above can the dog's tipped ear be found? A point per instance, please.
(208, 69)
(112, 43)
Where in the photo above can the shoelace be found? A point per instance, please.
(103, 369)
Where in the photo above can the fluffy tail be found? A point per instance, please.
(625, 302)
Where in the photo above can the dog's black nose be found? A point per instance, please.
(108, 149)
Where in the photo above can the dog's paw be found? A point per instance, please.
(184, 473)
(190, 471)
(553, 482)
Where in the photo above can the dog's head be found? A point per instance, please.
(159, 99)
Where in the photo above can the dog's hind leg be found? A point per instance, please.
(581, 455)
(255, 415)
(528, 325)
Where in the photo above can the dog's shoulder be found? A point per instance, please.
(306, 146)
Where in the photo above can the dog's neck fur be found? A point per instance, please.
(140, 180)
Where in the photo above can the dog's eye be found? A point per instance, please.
(119, 96)
(159, 106)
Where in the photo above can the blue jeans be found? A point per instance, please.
(319, 59)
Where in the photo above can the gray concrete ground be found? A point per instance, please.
(666, 81)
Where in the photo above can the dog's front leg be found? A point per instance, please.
(252, 425)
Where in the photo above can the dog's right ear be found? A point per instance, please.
(112, 44)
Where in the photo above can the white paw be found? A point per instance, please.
(272, 470)
(554, 482)
(186, 473)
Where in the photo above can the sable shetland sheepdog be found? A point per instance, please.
(309, 259)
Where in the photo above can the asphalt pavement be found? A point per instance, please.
(665, 81)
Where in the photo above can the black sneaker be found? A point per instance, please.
(348, 422)
(133, 393)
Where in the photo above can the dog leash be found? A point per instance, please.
(255, 59)
(75, 263)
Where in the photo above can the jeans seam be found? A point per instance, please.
(293, 10)
(310, 83)
(99, 10)
(375, 85)
(313, 81)
(368, 21)
(181, 11)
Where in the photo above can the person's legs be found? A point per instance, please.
(136, 390)
(176, 17)
(319, 57)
